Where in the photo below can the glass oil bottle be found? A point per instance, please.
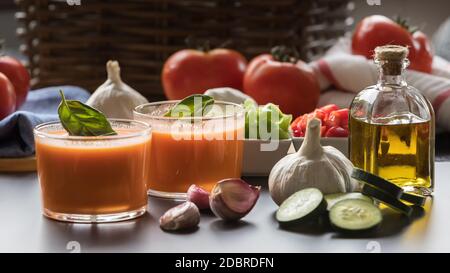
(392, 127)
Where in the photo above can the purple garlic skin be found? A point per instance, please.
(183, 216)
(232, 199)
(198, 196)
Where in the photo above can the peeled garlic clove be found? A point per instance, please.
(232, 199)
(198, 196)
(183, 216)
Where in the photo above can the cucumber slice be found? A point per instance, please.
(376, 181)
(355, 215)
(333, 198)
(302, 206)
(413, 198)
(386, 199)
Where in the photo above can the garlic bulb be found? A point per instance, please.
(312, 166)
(228, 94)
(115, 98)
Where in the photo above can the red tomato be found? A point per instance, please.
(18, 75)
(291, 86)
(190, 71)
(423, 54)
(378, 30)
(296, 121)
(337, 118)
(298, 133)
(331, 117)
(343, 117)
(336, 132)
(331, 121)
(7, 97)
(329, 108)
(304, 122)
(320, 114)
(298, 126)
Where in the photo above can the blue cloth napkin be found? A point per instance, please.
(16, 130)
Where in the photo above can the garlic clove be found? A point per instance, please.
(232, 199)
(183, 216)
(198, 196)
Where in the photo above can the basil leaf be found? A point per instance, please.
(80, 119)
(193, 106)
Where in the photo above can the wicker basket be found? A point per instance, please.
(70, 44)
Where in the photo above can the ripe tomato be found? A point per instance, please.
(7, 97)
(298, 132)
(336, 132)
(299, 125)
(329, 108)
(423, 54)
(378, 30)
(18, 75)
(291, 86)
(297, 121)
(334, 122)
(337, 118)
(191, 71)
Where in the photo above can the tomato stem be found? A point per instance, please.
(404, 23)
(204, 44)
(199, 44)
(285, 54)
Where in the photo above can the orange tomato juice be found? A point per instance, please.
(98, 178)
(202, 159)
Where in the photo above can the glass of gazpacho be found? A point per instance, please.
(93, 178)
(192, 150)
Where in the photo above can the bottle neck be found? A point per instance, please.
(392, 73)
(391, 79)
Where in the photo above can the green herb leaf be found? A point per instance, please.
(193, 106)
(80, 119)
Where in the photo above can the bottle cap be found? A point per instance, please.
(391, 52)
(391, 58)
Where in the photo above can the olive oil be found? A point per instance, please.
(395, 149)
(392, 126)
